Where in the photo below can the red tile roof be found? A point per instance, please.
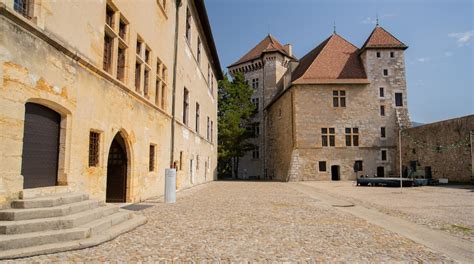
(380, 38)
(333, 61)
(268, 44)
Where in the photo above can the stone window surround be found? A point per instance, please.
(339, 98)
(394, 99)
(382, 92)
(98, 149)
(152, 158)
(325, 166)
(383, 72)
(383, 135)
(386, 155)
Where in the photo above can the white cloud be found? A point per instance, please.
(462, 38)
(371, 20)
(422, 60)
(448, 54)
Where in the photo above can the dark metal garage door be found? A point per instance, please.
(39, 165)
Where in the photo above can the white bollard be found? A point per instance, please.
(170, 185)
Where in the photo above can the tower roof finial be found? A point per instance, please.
(377, 19)
(334, 27)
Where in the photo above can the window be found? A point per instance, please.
(208, 132)
(378, 54)
(185, 106)
(160, 89)
(197, 162)
(212, 83)
(23, 7)
(107, 64)
(382, 110)
(180, 160)
(381, 92)
(255, 102)
(328, 137)
(199, 50)
(383, 154)
(139, 47)
(122, 29)
(212, 131)
(151, 164)
(188, 25)
(147, 56)
(392, 54)
(256, 129)
(382, 132)
(398, 99)
(255, 153)
(255, 83)
(352, 136)
(339, 98)
(138, 70)
(385, 72)
(209, 75)
(121, 64)
(146, 81)
(94, 141)
(197, 118)
(322, 166)
(109, 16)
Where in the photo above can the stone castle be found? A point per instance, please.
(102, 96)
(334, 114)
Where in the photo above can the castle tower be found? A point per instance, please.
(263, 68)
(383, 57)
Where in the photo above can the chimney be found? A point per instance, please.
(289, 49)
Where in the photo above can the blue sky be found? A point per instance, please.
(439, 33)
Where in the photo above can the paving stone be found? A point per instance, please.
(250, 222)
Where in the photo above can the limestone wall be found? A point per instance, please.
(453, 162)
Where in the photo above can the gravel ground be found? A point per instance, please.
(250, 222)
(447, 208)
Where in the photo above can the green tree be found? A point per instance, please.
(234, 112)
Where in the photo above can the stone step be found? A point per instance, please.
(55, 223)
(35, 213)
(100, 225)
(50, 201)
(133, 222)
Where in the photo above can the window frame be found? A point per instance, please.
(398, 100)
(152, 158)
(94, 149)
(339, 99)
(186, 106)
(322, 163)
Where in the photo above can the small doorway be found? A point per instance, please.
(117, 171)
(39, 163)
(380, 172)
(335, 173)
(428, 174)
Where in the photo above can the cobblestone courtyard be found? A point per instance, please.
(251, 221)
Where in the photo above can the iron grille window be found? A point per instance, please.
(322, 166)
(328, 137)
(197, 118)
(107, 53)
(146, 80)
(398, 99)
(382, 110)
(188, 25)
(22, 7)
(151, 166)
(339, 98)
(352, 136)
(138, 69)
(121, 64)
(185, 106)
(94, 141)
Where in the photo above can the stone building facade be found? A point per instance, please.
(336, 110)
(440, 150)
(103, 96)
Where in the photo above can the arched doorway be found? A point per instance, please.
(335, 173)
(117, 171)
(39, 165)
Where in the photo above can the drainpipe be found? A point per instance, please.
(175, 70)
